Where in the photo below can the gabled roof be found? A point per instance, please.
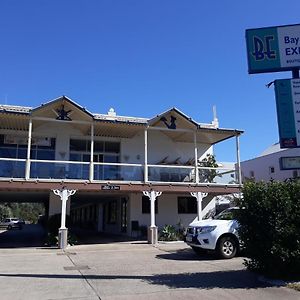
(173, 111)
(62, 99)
(173, 122)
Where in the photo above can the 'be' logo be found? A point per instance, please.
(262, 48)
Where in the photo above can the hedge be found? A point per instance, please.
(270, 228)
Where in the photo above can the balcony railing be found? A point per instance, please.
(74, 170)
(12, 168)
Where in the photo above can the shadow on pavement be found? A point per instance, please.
(186, 254)
(240, 279)
(32, 235)
(88, 237)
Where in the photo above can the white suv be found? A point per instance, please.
(218, 234)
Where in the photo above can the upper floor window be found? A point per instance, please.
(77, 145)
(12, 146)
(104, 152)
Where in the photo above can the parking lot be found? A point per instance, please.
(128, 270)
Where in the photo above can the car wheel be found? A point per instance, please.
(227, 247)
(198, 250)
(9, 227)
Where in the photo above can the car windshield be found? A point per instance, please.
(228, 214)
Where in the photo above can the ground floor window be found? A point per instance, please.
(187, 205)
(146, 205)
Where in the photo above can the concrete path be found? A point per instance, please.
(128, 270)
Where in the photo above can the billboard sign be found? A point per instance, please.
(273, 49)
(287, 92)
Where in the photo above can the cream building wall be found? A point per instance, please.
(167, 211)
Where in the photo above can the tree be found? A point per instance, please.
(5, 211)
(269, 227)
(26, 211)
(208, 175)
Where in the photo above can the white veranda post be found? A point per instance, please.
(152, 233)
(199, 196)
(64, 195)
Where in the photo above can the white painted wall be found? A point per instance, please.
(62, 133)
(261, 166)
(159, 146)
(167, 211)
(132, 150)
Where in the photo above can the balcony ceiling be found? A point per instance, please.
(10, 121)
(203, 135)
(119, 130)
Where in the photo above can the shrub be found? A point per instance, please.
(52, 239)
(270, 227)
(72, 239)
(170, 233)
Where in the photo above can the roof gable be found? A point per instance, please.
(62, 108)
(173, 119)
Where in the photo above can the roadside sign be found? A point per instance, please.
(273, 49)
(287, 92)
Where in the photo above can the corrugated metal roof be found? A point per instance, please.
(102, 117)
(205, 130)
(15, 109)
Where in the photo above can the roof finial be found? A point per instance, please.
(112, 112)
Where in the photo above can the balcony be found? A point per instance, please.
(49, 170)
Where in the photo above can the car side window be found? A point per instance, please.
(225, 216)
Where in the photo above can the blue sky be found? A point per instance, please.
(145, 56)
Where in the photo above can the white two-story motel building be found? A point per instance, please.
(122, 171)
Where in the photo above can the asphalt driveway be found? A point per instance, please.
(128, 270)
(32, 235)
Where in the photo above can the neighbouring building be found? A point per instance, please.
(120, 172)
(273, 164)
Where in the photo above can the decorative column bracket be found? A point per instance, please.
(199, 196)
(64, 195)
